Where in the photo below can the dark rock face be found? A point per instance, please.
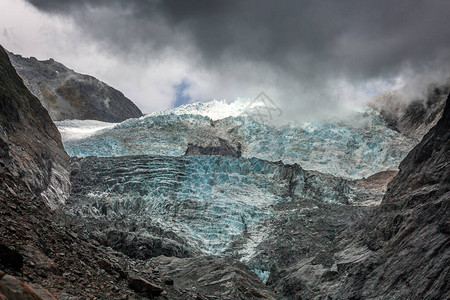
(13, 289)
(10, 258)
(156, 241)
(412, 118)
(224, 149)
(144, 288)
(426, 169)
(70, 95)
(31, 151)
(405, 248)
(299, 252)
(212, 278)
(34, 176)
(55, 256)
(398, 250)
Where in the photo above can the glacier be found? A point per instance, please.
(214, 202)
(132, 180)
(356, 146)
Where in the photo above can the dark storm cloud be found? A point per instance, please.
(364, 36)
(301, 41)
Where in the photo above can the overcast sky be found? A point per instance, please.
(311, 57)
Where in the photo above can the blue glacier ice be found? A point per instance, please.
(136, 171)
(355, 146)
(212, 201)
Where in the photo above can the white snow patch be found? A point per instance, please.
(72, 130)
(106, 102)
(216, 109)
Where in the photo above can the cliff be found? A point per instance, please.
(31, 151)
(412, 117)
(405, 248)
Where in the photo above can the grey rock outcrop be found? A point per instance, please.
(213, 278)
(398, 250)
(144, 287)
(407, 241)
(70, 95)
(412, 117)
(13, 289)
(225, 148)
(31, 151)
(34, 176)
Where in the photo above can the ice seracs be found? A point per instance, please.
(135, 174)
(355, 146)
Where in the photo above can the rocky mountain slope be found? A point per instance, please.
(412, 117)
(401, 249)
(33, 247)
(31, 150)
(407, 241)
(70, 95)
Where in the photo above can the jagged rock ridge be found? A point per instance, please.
(412, 117)
(70, 95)
(224, 149)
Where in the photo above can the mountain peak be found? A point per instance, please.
(67, 94)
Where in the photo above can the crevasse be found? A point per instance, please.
(214, 202)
